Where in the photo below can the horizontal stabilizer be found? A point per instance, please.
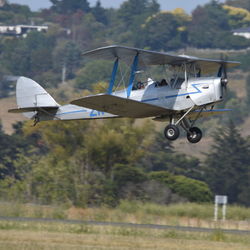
(207, 113)
(121, 106)
(33, 109)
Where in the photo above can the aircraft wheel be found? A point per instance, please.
(194, 135)
(171, 132)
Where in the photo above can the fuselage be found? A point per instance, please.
(192, 93)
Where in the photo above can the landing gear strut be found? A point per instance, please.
(172, 131)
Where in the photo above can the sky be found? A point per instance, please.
(188, 5)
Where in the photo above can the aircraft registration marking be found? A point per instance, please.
(95, 113)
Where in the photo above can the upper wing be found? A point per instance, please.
(121, 106)
(147, 57)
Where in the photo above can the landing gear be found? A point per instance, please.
(194, 135)
(171, 132)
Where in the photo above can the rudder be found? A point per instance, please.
(30, 96)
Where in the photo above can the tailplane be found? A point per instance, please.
(31, 98)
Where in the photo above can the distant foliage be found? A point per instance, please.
(83, 163)
(13, 14)
(227, 166)
(100, 13)
(75, 26)
(67, 55)
(92, 73)
(162, 157)
(164, 31)
(69, 6)
(239, 3)
(134, 12)
(33, 54)
(248, 92)
(210, 28)
(193, 190)
(238, 17)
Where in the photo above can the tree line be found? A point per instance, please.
(97, 163)
(74, 27)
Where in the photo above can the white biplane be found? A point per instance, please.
(189, 91)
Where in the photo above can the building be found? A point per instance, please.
(21, 30)
(245, 32)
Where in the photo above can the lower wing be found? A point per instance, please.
(121, 106)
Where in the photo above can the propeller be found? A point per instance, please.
(223, 72)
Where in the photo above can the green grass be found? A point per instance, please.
(186, 214)
(192, 210)
(58, 227)
(55, 235)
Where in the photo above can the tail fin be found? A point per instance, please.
(31, 97)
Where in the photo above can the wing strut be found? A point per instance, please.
(132, 75)
(112, 80)
(220, 71)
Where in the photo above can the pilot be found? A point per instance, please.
(163, 82)
(140, 85)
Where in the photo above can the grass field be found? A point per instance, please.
(186, 214)
(31, 235)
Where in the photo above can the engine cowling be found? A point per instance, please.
(205, 91)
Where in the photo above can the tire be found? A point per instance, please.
(194, 135)
(171, 132)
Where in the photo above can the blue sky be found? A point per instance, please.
(188, 5)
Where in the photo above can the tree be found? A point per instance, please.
(15, 14)
(245, 4)
(248, 92)
(227, 166)
(193, 190)
(134, 12)
(67, 54)
(162, 157)
(80, 166)
(238, 17)
(131, 183)
(39, 48)
(10, 148)
(116, 141)
(210, 28)
(165, 30)
(245, 103)
(69, 6)
(16, 51)
(34, 54)
(92, 73)
(208, 24)
(99, 13)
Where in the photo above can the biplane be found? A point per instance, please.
(188, 91)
